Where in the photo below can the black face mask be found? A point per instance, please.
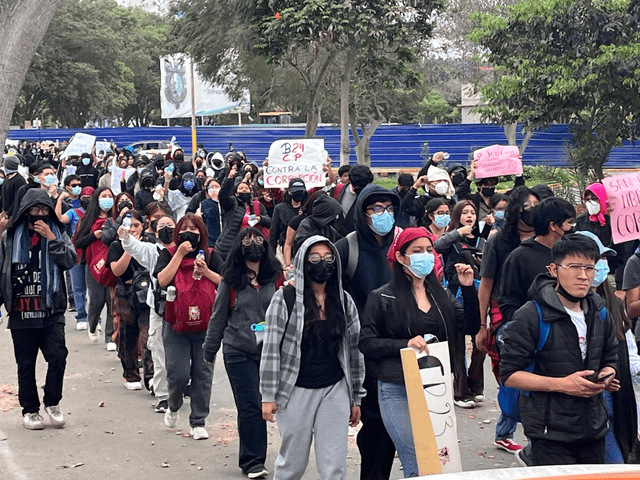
(488, 192)
(179, 157)
(320, 272)
(402, 192)
(199, 163)
(527, 217)
(166, 234)
(298, 196)
(253, 252)
(358, 189)
(457, 179)
(147, 182)
(245, 197)
(34, 218)
(84, 203)
(124, 205)
(192, 238)
(567, 295)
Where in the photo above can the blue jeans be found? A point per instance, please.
(506, 426)
(612, 449)
(394, 410)
(79, 287)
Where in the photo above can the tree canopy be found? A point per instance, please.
(575, 61)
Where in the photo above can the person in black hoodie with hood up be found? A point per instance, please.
(326, 219)
(34, 253)
(147, 182)
(371, 240)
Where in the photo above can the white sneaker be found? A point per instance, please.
(465, 403)
(111, 347)
(258, 473)
(133, 385)
(55, 416)
(94, 337)
(478, 398)
(32, 421)
(80, 326)
(171, 418)
(199, 433)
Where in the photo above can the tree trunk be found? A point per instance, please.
(362, 148)
(345, 82)
(20, 39)
(313, 118)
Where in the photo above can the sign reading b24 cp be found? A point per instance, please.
(298, 158)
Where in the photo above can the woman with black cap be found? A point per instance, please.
(294, 197)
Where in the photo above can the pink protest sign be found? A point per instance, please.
(497, 160)
(623, 192)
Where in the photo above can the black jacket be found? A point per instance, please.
(378, 343)
(551, 415)
(326, 219)
(523, 265)
(282, 215)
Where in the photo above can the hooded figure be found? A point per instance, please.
(181, 191)
(144, 196)
(326, 219)
(439, 175)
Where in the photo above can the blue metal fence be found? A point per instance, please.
(392, 146)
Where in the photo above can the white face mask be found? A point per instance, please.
(442, 188)
(593, 207)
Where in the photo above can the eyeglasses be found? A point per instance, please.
(316, 257)
(379, 210)
(74, 185)
(40, 208)
(246, 241)
(164, 225)
(575, 268)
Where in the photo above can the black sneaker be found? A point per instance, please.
(523, 456)
(187, 391)
(162, 406)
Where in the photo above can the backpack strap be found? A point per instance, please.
(603, 314)
(352, 263)
(544, 329)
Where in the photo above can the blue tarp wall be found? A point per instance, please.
(392, 146)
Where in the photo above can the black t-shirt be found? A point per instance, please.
(115, 253)
(215, 261)
(319, 365)
(494, 254)
(295, 221)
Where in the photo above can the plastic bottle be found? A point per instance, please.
(200, 256)
(170, 169)
(126, 223)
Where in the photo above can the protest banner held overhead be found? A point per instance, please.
(624, 201)
(104, 146)
(81, 143)
(299, 158)
(497, 160)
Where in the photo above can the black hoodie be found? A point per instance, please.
(556, 416)
(523, 265)
(326, 219)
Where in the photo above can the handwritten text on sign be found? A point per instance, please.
(624, 200)
(299, 158)
(81, 143)
(497, 160)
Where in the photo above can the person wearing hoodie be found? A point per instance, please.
(11, 185)
(552, 219)
(144, 196)
(436, 184)
(87, 172)
(405, 181)
(181, 191)
(311, 371)
(359, 177)
(561, 400)
(34, 253)
(375, 220)
(326, 219)
(238, 209)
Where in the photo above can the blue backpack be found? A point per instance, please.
(509, 398)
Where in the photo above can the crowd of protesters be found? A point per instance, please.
(311, 293)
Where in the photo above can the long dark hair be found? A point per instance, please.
(197, 222)
(456, 213)
(234, 270)
(432, 206)
(512, 215)
(327, 332)
(406, 307)
(115, 212)
(616, 308)
(92, 213)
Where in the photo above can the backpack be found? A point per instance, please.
(192, 307)
(256, 212)
(509, 398)
(138, 290)
(96, 256)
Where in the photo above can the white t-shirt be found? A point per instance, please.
(581, 325)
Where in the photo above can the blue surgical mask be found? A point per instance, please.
(50, 180)
(499, 214)
(421, 264)
(86, 161)
(261, 182)
(383, 223)
(1, 180)
(602, 270)
(36, 180)
(33, 151)
(106, 203)
(110, 168)
(76, 191)
(189, 184)
(442, 221)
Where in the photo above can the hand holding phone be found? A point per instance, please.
(594, 377)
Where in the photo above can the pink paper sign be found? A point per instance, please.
(623, 192)
(497, 160)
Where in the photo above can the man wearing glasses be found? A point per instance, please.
(562, 379)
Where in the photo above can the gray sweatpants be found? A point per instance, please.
(321, 415)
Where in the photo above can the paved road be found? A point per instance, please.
(126, 439)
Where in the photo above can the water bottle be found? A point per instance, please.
(170, 169)
(200, 256)
(126, 223)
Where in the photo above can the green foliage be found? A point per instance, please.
(566, 60)
(98, 61)
(434, 108)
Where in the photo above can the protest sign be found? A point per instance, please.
(118, 175)
(300, 158)
(104, 146)
(432, 414)
(81, 143)
(497, 160)
(623, 192)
